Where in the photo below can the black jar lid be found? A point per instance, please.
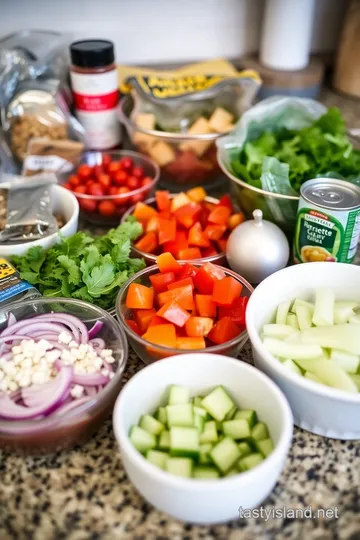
(92, 53)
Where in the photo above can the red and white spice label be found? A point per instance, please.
(95, 99)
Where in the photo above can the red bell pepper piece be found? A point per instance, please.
(205, 307)
(226, 201)
(198, 326)
(139, 297)
(222, 244)
(180, 242)
(208, 251)
(224, 330)
(181, 295)
(163, 335)
(174, 313)
(161, 281)
(236, 312)
(163, 202)
(214, 232)
(157, 321)
(226, 290)
(143, 318)
(187, 270)
(197, 236)
(152, 225)
(181, 283)
(186, 215)
(190, 343)
(197, 194)
(167, 263)
(189, 254)
(148, 243)
(206, 277)
(166, 230)
(219, 215)
(235, 220)
(134, 326)
(143, 212)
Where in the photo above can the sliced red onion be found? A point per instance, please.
(77, 327)
(90, 379)
(13, 337)
(67, 407)
(90, 390)
(107, 366)
(94, 330)
(7, 356)
(97, 343)
(11, 320)
(11, 411)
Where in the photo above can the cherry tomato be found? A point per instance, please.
(89, 185)
(74, 180)
(126, 164)
(133, 183)
(122, 200)
(104, 180)
(113, 190)
(98, 170)
(113, 168)
(120, 210)
(84, 171)
(106, 160)
(107, 208)
(121, 178)
(88, 205)
(80, 189)
(137, 198)
(97, 189)
(138, 172)
(67, 186)
(147, 181)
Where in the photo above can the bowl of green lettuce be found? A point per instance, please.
(278, 145)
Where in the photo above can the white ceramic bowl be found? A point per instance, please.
(317, 408)
(64, 203)
(203, 501)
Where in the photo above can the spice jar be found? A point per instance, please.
(94, 82)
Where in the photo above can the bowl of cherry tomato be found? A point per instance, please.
(106, 184)
(176, 307)
(190, 225)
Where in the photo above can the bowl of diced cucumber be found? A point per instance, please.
(304, 327)
(202, 435)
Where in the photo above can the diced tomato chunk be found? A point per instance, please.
(226, 290)
(219, 215)
(167, 263)
(182, 295)
(139, 297)
(189, 254)
(163, 200)
(205, 306)
(148, 243)
(163, 335)
(174, 313)
(236, 312)
(134, 326)
(207, 276)
(181, 283)
(161, 281)
(143, 318)
(190, 343)
(224, 330)
(166, 230)
(197, 236)
(198, 326)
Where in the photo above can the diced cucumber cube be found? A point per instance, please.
(204, 457)
(164, 440)
(161, 415)
(236, 429)
(157, 458)
(230, 415)
(225, 454)
(259, 432)
(178, 395)
(180, 415)
(180, 466)
(205, 472)
(218, 403)
(197, 401)
(199, 422)
(142, 439)
(209, 434)
(200, 411)
(282, 311)
(247, 414)
(248, 462)
(245, 448)
(184, 442)
(265, 446)
(291, 320)
(232, 472)
(150, 424)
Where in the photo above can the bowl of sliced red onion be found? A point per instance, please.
(61, 363)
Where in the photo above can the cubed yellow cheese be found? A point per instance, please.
(162, 153)
(227, 128)
(179, 200)
(219, 119)
(146, 120)
(199, 127)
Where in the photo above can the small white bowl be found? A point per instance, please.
(64, 203)
(316, 408)
(203, 501)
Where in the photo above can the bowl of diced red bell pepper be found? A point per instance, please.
(176, 307)
(190, 226)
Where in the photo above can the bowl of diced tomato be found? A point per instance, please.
(106, 184)
(189, 225)
(176, 307)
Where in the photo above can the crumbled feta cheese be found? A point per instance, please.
(64, 337)
(105, 372)
(77, 391)
(73, 344)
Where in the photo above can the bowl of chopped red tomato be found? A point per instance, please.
(106, 184)
(189, 225)
(176, 307)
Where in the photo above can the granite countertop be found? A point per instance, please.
(85, 493)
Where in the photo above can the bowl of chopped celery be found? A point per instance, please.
(306, 337)
(201, 435)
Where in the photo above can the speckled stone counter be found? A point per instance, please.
(85, 493)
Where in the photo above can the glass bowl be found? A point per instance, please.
(150, 259)
(90, 208)
(149, 352)
(180, 165)
(55, 433)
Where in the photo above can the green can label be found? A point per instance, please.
(323, 236)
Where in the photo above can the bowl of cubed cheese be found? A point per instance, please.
(202, 435)
(187, 157)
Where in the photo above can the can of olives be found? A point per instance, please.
(328, 221)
